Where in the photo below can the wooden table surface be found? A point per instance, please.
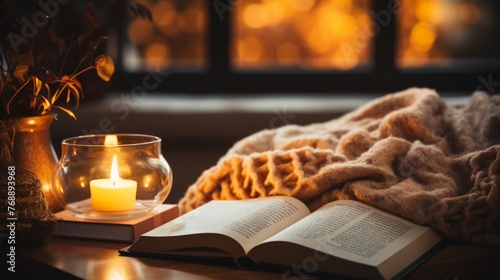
(64, 258)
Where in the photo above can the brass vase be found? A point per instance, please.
(33, 150)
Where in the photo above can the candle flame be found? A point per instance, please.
(111, 140)
(115, 176)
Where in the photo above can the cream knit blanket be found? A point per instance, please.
(409, 153)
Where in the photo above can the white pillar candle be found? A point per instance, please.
(113, 194)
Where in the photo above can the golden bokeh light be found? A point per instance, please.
(157, 55)
(164, 15)
(422, 36)
(310, 34)
(250, 48)
(192, 20)
(344, 5)
(174, 38)
(429, 29)
(302, 5)
(343, 26)
(429, 11)
(319, 41)
(303, 33)
(140, 31)
(255, 16)
(275, 13)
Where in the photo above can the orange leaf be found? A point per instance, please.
(66, 111)
(105, 67)
(45, 103)
(38, 86)
(68, 96)
(77, 84)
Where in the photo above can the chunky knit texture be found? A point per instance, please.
(409, 153)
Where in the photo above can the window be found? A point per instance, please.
(300, 34)
(175, 39)
(447, 34)
(321, 46)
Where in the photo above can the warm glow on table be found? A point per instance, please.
(113, 194)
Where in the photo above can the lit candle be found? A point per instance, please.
(113, 194)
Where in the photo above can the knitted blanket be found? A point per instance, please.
(409, 153)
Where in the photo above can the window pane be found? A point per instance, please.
(175, 39)
(440, 32)
(304, 34)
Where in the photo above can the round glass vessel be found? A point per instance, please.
(114, 176)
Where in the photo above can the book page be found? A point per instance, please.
(247, 221)
(353, 231)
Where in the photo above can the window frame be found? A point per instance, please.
(381, 77)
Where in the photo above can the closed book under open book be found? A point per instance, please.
(125, 230)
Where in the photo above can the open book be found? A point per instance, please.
(343, 237)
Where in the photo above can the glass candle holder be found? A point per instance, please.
(111, 176)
